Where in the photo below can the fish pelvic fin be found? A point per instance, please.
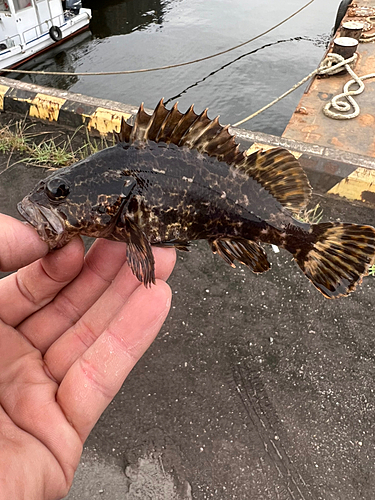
(338, 257)
(278, 171)
(244, 251)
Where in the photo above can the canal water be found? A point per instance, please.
(137, 34)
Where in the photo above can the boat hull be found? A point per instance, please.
(15, 56)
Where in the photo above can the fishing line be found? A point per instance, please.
(146, 70)
(297, 38)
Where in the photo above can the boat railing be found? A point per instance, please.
(40, 29)
(9, 42)
(31, 34)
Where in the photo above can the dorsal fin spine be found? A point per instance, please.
(151, 121)
(276, 170)
(209, 126)
(168, 116)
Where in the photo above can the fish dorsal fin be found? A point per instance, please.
(188, 129)
(278, 171)
(123, 135)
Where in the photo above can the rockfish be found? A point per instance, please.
(173, 178)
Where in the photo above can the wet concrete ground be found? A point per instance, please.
(257, 387)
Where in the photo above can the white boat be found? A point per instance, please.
(29, 27)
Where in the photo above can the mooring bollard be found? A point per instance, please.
(345, 46)
(352, 29)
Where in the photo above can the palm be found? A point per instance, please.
(70, 332)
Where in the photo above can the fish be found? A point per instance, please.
(172, 178)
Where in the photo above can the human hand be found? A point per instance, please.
(71, 330)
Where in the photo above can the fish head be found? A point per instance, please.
(86, 198)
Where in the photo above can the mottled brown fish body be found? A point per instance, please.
(174, 178)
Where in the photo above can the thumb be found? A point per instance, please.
(19, 244)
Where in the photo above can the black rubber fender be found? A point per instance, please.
(55, 33)
(341, 11)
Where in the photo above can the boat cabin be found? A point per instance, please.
(28, 27)
(28, 19)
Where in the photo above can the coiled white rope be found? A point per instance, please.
(333, 64)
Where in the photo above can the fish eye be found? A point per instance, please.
(57, 189)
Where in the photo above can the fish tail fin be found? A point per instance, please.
(337, 257)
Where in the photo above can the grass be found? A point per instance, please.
(11, 140)
(312, 216)
(45, 152)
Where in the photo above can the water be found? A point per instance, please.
(137, 34)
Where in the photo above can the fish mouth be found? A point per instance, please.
(48, 223)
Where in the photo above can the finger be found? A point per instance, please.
(96, 377)
(33, 286)
(73, 343)
(102, 263)
(19, 244)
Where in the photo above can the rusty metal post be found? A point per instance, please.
(345, 46)
(352, 29)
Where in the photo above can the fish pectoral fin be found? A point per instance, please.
(139, 254)
(338, 258)
(245, 251)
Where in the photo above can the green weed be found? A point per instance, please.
(311, 216)
(46, 153)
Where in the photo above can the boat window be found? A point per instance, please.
(4, 7)
(21, 4)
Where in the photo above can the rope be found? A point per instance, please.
(336, 102)
(331, 65)
(146, 70)
(313, 73)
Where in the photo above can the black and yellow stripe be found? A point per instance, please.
(73, 110)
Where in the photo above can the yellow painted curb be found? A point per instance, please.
(106, 121)
(356, 185)
(46, 107)
(3, 90)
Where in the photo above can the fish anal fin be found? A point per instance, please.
(339, 257)
(244, 251)
(139, 254)
(278, 171)
(179, 244)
